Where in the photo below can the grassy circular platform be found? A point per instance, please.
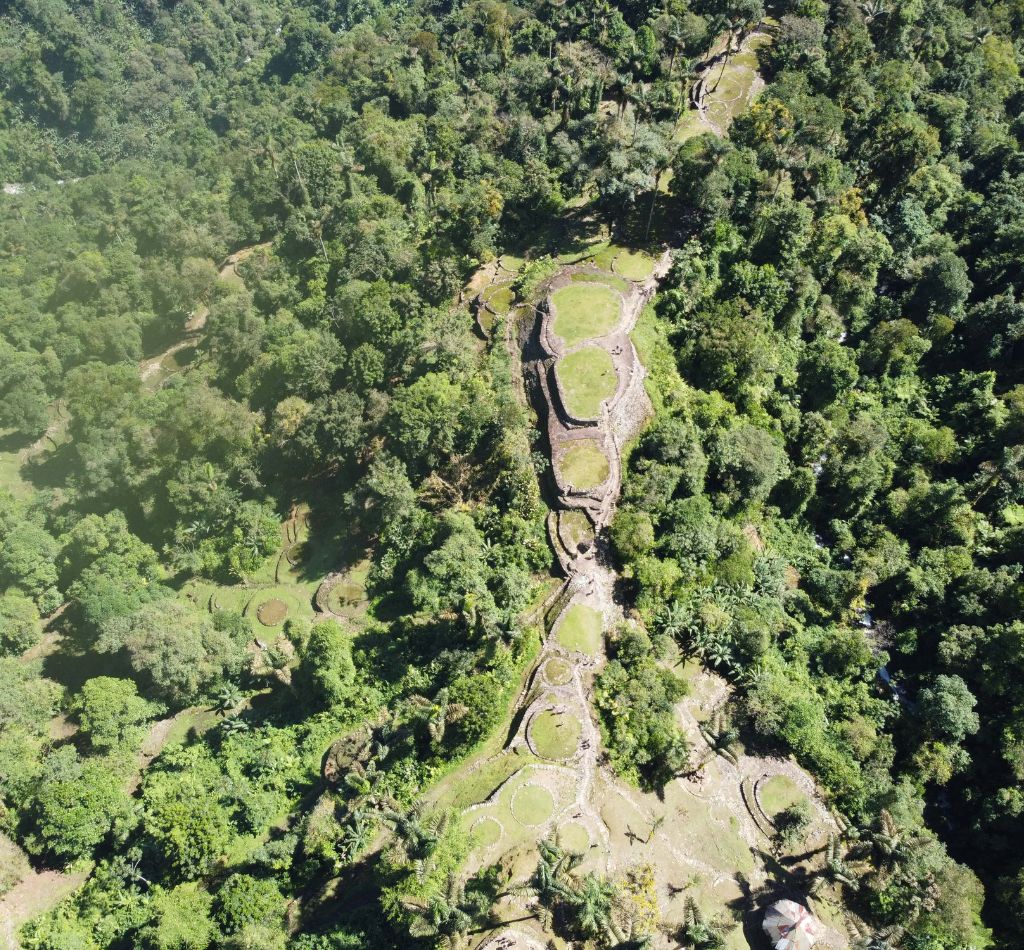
(555, 735)
(581, 629)
(486, 831)
(574, 837)
(532, 804)
(778, 793)
(347, 597)
(271, 612)
(587, 378)
(584, 465)
(610, 280)
(499, 297)
(557, 672)
(585, 311)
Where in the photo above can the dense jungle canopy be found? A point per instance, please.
(273, 498)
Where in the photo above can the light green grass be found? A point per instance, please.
(605, 255)
(587, 379)
(557, 671)
(778, 793)
(10, 475)
(636, 265)
(478, 785)
(574, 837)
(581, 629)
(486, 831)
(499, 298)
(584, 465)
(532, 805)
(585, 311)
(555, 735)
(348, 597)
(663, 382)
(609, 280)
(575, 528)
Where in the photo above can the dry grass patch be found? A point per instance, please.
(272, 612)
(584, 465)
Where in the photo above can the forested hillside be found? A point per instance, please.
(272, 502)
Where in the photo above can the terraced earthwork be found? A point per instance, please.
(589, 389)
(587, 380)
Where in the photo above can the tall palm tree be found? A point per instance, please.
(697, 932)
(438, 713)
(836, 870)
(418, 833)
(721, 736)
(872, 10)
(356, 835)
(227, 698)
(592, 904)
(447, 914)
(866, 939)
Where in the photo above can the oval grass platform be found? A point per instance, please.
(584, 465)
(585, 311)
(586, 378)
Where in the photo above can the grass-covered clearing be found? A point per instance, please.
(636, 265)
(574, 837)
(485, 832)
(610, 280)
(576, 529)
(778, 793)
(532, 804)
(587, 378)
(581, 629)
(557, 672)
(348, 597)
(555, 735)
(499, 297)
(584, 465)
(585, 311)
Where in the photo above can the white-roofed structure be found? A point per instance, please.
(791, 926)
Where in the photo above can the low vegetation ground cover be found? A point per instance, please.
(554, 735)
(581, 629)
(584, 311)
(583, 464)
(587, 378)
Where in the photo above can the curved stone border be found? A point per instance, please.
(544, 705)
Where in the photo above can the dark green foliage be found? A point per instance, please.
(635, 697)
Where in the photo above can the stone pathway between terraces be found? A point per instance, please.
(589, 582)
(589, 577)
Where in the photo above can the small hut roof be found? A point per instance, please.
(791, 926)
